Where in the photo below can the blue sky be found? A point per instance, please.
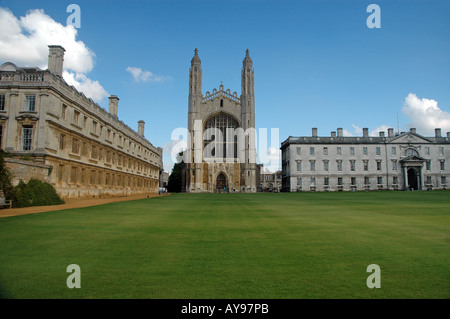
(316, 62)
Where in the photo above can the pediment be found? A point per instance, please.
(410, 138)
(413, 158)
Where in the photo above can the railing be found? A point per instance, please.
(209, 96)
(9, 77)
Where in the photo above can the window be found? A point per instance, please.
(379, 180)
(339, 181)
(61, 172)
(94, 127)
(312, 165)
(83, 175)
(85, 122)
(352, 151)
(325, 151)
(427, 150)
(428, 180)
(353, 181)
(378, 165)
(394, 165)
(352, 165)
(339, 166)
(443, 180)
(441, 151)
(30, 103)
(2, 102)
(339, 151)
(299, 181)
(62, 142)
(217, 148)
(76, 117)
(63, 111)
(94, 152)
(221, 103)
(366, 180)
(27, 135)
(395, 180)
(311, 151)
(428, 165)
(313, 181)
(394, 150)
(73, 174)
(326, 181)
(366, 165)
(75, 145)
(365, 152)
(442, 165)
(378, 150)
(84, 149)
(299, 166)
(325, 166)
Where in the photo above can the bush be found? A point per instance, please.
(35, 193)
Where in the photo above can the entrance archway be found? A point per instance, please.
(413, 179)
(221, 182)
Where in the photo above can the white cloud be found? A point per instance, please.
(425, 115)
(24, 41)
(140, 75)
(82, 83)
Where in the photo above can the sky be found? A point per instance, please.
(317, 63)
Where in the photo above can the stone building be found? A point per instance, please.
(404, 161)
(85, 150)
(221, 150)
(271, 182)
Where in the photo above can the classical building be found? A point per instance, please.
(404, 161)
(84, 150)
(221, 152)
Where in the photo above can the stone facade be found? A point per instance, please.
(90, 151)
(213, 164)
(404, 161)
(271, 182)
(26, 170)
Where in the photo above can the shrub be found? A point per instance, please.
(35, 193)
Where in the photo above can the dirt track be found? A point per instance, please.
(71, 203)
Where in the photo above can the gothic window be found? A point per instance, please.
(221, 124)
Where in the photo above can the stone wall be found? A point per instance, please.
(26, 170)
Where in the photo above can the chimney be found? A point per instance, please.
(381, 134)
(438, 132)
(390, 132)
(314, 132)
(412, 130)
(141, 125)
(333, 134)
(56, 59)
(113, 105)
(339, 132)
(365, 132)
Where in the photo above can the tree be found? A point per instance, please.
(5, 177)
(175, 178)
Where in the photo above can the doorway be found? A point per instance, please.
(221, 182)
(413, 179)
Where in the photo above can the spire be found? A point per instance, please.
(248, 59)
(196, 58)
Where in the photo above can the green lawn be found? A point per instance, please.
(287, 245)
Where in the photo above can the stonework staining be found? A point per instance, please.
(85, 150)
(213, 165)
(402, 161)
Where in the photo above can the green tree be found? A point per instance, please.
(175, 178)
(5, 177)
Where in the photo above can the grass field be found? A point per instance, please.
(287, 245)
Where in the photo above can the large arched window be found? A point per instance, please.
(219, 139)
